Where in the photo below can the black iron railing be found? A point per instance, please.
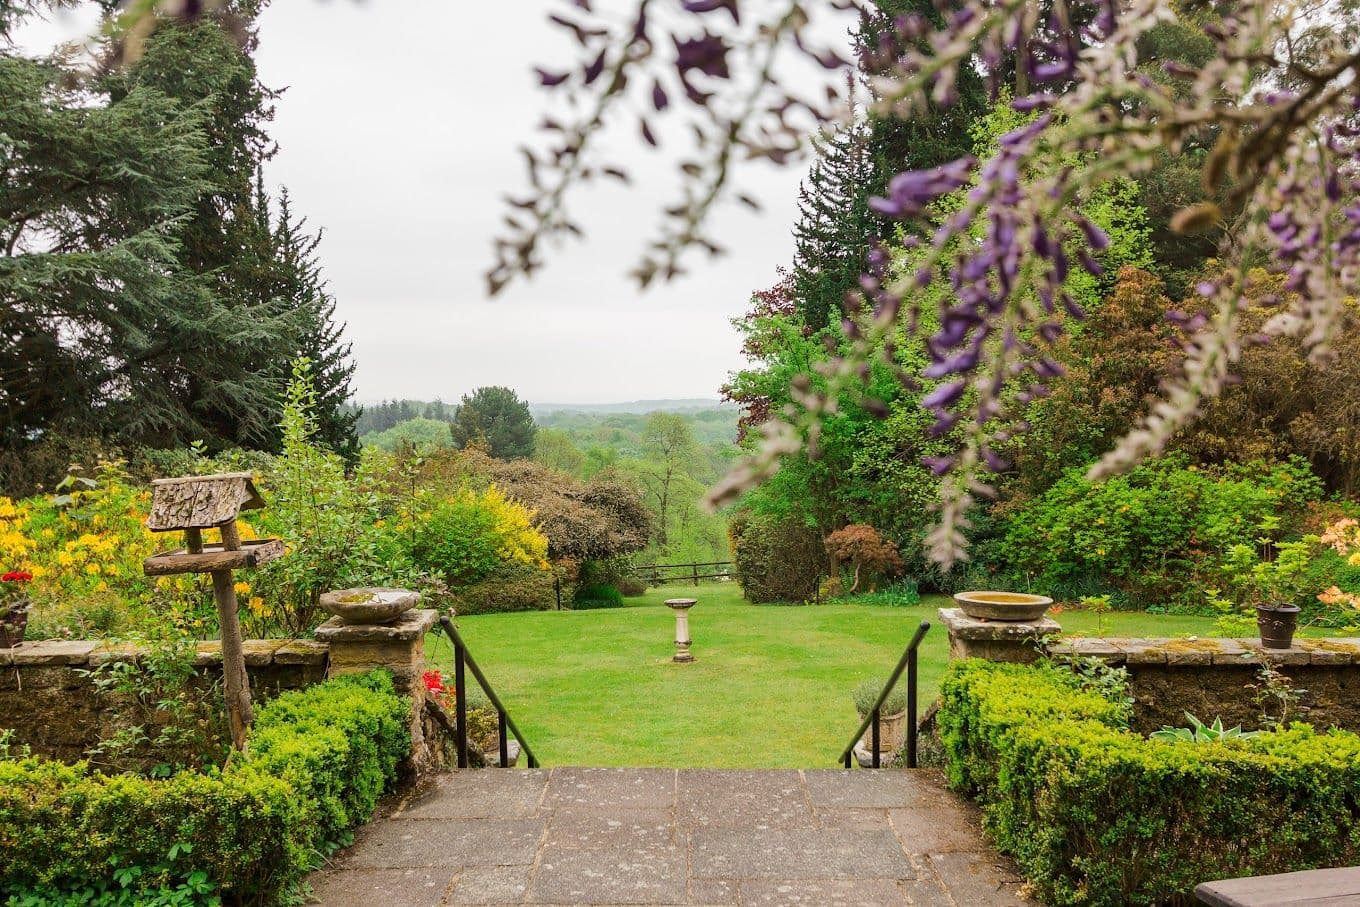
(462, 659)
(906, 663)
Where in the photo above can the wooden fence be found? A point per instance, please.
(661, 574)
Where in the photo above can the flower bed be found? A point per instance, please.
(317, 762)
(1096, 814)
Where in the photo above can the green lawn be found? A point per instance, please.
(770, 686)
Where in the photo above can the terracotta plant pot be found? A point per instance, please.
(1277, 624)
(1002, 605)
(892, 733)
(13, 626)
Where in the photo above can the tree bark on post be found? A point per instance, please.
(191, 504)
(240, 713)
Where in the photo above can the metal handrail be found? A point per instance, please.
(461, 657)
(908, 663)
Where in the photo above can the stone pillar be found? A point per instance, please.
(996, 640)
(398, 647)
(681, 608)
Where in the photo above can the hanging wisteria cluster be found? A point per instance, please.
(1284, 126)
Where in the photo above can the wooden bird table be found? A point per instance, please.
(192, 504)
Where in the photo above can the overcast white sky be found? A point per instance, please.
(397, 135)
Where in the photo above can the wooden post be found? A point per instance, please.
(240, 713)
(192, 504)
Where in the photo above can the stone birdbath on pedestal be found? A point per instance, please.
(681, 608)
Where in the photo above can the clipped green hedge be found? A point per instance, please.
(317, 761)
(1096, 814)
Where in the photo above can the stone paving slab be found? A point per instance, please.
(388, 887)
(612, 788)
(480, 795)
(621, 875)
(858, 788)
(491, 885)
(413, 843)
(810, 853)
(973, 878)
(871, 893)
(714, 892)
(742, 799)
(661, 836)
(852, 818)
(937, 831)
(604, 828)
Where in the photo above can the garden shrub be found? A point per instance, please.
(317, 761)
(85, 547)
(866, 552)
(334, 525)
(601, 595)
(1157, 533)
(510, 587)
(1096, 814)
(597, 520)
(777, 560)
(468, 535)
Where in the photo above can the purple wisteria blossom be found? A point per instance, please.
(999, 256)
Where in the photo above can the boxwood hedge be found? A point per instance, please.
(316, 763)
(1096, 814)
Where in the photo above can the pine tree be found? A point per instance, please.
(297, 279)
(498, 418)
(835, 225)
(90, 210)
(225, 244)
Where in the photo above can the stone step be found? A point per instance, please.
(667, 836)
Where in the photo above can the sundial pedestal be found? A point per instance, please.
(681, 608)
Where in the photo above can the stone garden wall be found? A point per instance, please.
(1208, 678)
(50, 702)
(1212, 678)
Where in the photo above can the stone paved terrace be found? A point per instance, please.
(662, 836)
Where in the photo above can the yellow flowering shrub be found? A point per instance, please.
(1343, 537)
(85, 550)
(465, 536)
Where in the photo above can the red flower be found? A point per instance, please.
(17, 576)
(434, 682)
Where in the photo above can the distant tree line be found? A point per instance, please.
(375, 417)
(491, 417)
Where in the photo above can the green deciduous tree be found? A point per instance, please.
(869, 461)
(555, 450)
(670, 449)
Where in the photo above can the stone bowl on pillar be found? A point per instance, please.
(369, 604)
(1002, 605)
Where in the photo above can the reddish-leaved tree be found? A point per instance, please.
(863, 548)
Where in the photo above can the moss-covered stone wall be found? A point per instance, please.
(51, 703)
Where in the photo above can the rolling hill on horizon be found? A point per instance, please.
(635, 407)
